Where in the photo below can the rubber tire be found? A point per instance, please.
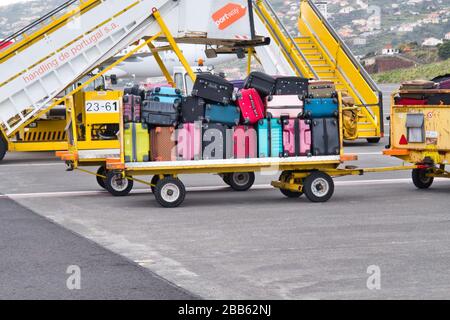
(154, 181)
(158, 192)
(117, 193)
(237, 187)
(308, 187)
(373, 140)
(418, 179)
(3, 148)
(289, 193)
(101, 182)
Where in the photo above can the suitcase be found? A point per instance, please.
(410, 102)
(136, 142)
(238, 84)
(291, 86)
(322, 89)
(189, 141)
(159, 113)
(213, 88)
(217, 142)
(251, 105)
(131, 108)
(270, 138)
(225, 114)
(245, 142)
(288, 106)
(192, 109)
(165, 94)
(163, 142)
(439, 99)
(135, 90)
(444, 84)
(321, 108)
(325, 137)
(263, 83)
(418, 85)
(296, 137)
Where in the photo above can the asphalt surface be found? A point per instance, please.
(254, 245)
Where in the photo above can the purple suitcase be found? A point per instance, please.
(296, 138)
(445, 84)
(284, 106)
(131, 108)
(189, 141)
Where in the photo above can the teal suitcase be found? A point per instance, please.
(270, 138)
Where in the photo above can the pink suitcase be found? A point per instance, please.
(284, 106)
(251, 104)
(296, 138)
(245, 142)
(131, 108)
(189, 141)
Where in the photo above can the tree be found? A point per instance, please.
(444, 50)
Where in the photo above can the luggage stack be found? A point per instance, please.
(423, 92)
(262, 117)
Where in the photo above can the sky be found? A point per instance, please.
(7, 2)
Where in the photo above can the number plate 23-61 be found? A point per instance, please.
(102, 106)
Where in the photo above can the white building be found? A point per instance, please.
(432, 42)
(389, 51)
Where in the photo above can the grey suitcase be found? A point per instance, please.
(217, 142)
(157, 113)
(325, 137)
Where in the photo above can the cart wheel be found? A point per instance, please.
(101, 181)
(288, 193)
(373, 140)
(117, 185)
(3, 148)
(318, 187)
(154, 181)
(241, 181)
(170, 192)
(226, 179)
(420, 180)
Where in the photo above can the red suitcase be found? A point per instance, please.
(251, 104)
(131, 108)
(245, 142)
(410, 102)
(189, 141)
(296, 138)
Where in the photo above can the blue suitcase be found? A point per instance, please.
(225, 114)
(270, 138)
(321, 108)
(166, 95)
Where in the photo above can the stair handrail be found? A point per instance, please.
(344, 46)
(288, 35)
(37, 22)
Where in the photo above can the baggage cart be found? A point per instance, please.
(420, 134)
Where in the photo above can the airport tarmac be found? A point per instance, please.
(222, 244)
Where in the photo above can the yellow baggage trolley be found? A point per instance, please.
(420, 134)
(311, 176)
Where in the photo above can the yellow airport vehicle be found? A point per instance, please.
(420, 134)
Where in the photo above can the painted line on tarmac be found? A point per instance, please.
(65, 194)
(31, 164)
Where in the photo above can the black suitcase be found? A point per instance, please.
(294, 86)
(263, 83)
(439, 99)
(217, 142)
(213, 88)
(157, 113)
(136, 91)
(325, 137)
(192, 109)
